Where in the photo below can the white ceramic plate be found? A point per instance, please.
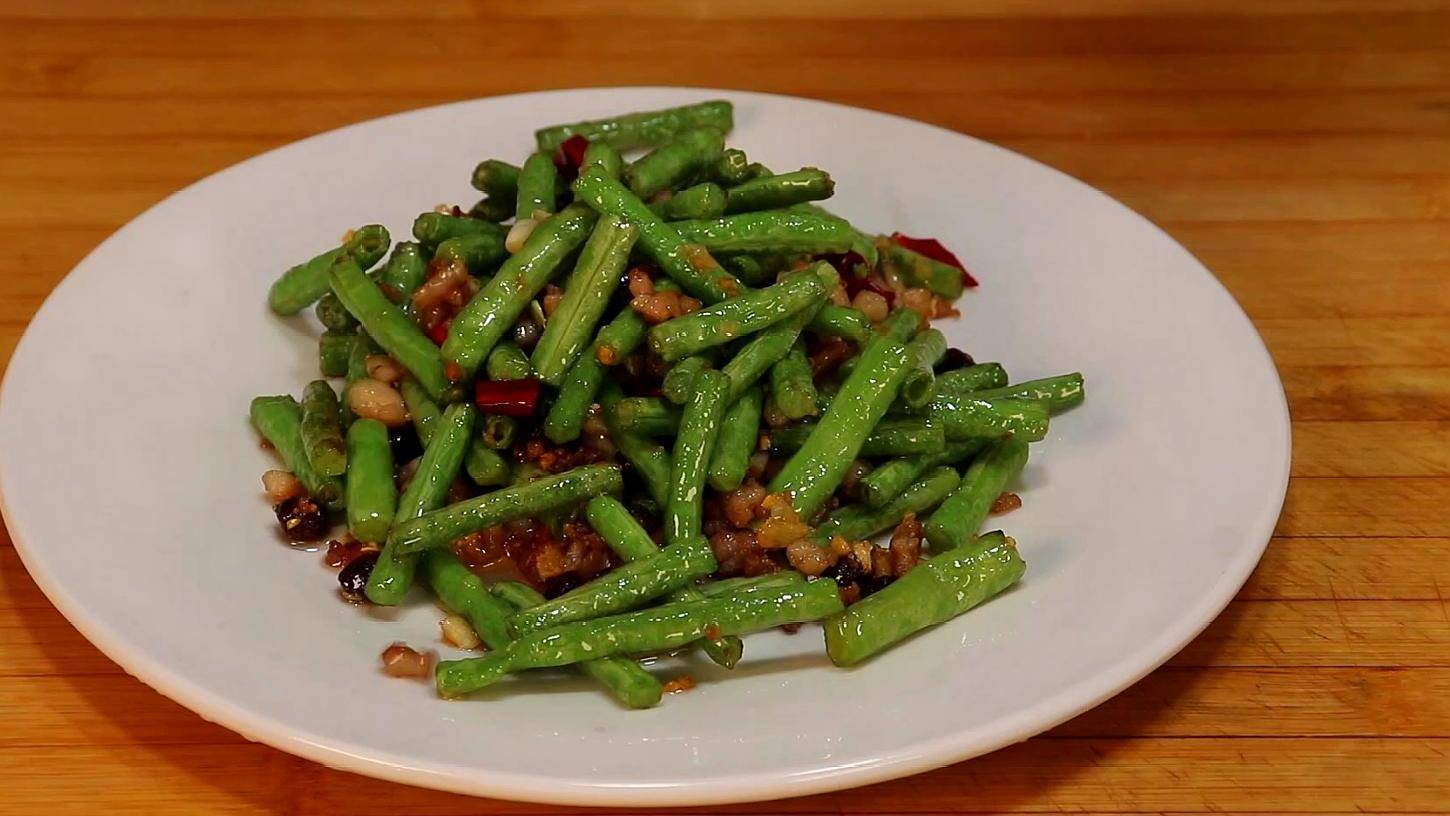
(129, 474)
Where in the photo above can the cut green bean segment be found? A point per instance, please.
(279, 421)
(480, 251)
(622, 589)
(302, 285)
(680, 379)
(752, 270)
(536, 186)
(690, 265)
(443, 456)
(1054, 393)
(965, 416)
(433, 228)
(602, 158)
(647, 416)
(699, 429)
(613, 522)
(643, 129)
(544, 495)
(886, 482)
(791, 384)
(595, 277)
(648, 631)
(404, 272)
(462, 592)
(775, 192)
(651, 462)
(491, 312)
(774, 231)
(668, 166)
(978, 377)
(932, 593)
(765, 350)
(738, 433)
(920, 384)
(498, 179)
(704, 200)
(422, 410)
(962, 514)
(858, 522)
(486, 466)
(322, 429)
(918, 270)
(861, 243)
(388, 326)
(757, 583)
(333, 315)
(750, 312)
(499, 432)
(334, 349)
(493, 209)
(843, 322)
(371, 495)
(890, 437)
(507, 362)
(731, 168)
(617, 340)
(816, 470)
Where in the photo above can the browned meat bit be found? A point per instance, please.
(905, 545)
(552, 296)
(829, 354)
(638, 281)
(280, 485)
(302, 519)
(1006, 503)
(656, 306)
(919, 300)
(342, 551)
(737, 553)
(782, 527)
(551, 458)
(445, 290)
(679, 684)
(742, 506)
(401, 660)
(809, 558)
(354, 577)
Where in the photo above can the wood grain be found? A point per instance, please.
(1300, 148)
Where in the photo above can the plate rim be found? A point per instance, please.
(538, 788)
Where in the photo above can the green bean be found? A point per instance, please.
(920, 384)
(433, 228)
(964, 416)
(651, 462)
(602, 158)
(1054, 393)
(750, 584)
(903, 436)
(670, 165)
(421, 409)
(322, 429)
(857, 522)
(460, 591)
(776, 231)
(279, 421)
(357, 366)
(962, 514)
(494, 309)
(680, 379)
(764, 350)
(886, 482)
(642, 129)
(791, 384)
(479, 251)
(750, 269)
(334, 348)
(932, 593)
(861, 243)
(404, 272)
(843, 322)
(486, 466)
(816, 470)
(388, 326)
(620, 336)
(493, 209)
(497, 178)
(748, 313)
(622, 589)
(731, 168)
(738, 432)
(690, 265)
(756, 170)
(595, 277)
(613, 522)
(301, 286)
(499, 432)
(333, 315)
(699, 428)
(623, 678)
(774, 192)
(426, 491)
(918, 270)
(371, 495)
(704, 200)
(549, 493)
(651, 630)
(536, 186)
(507, 362)
(647, 416)
(901, 326)
(977, 377)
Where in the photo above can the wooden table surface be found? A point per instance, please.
(1301, 149)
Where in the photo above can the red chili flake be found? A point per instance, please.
(439, 333)
(932, 248)
(515, 398)
(458, 212)
(570, 156)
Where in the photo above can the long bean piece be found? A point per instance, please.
(905, 436)
(750, 312)
(918, 270)
(279, 421)
(433, 228)
(857, 522)
(595, 277)
(462, 592)
(507, 362)
(774, 231)
(674, 162)
(371, 495)
(535, 192)
(322, 429)
(679, 381)
(890, 478)
(765, 350)
(647, 416)
(774, 192)
(738, 433)
(498, 179)
(388, 326)
(699, 428)
(643, 129)
(1054, 393)
(965, 416)
(791, 384)
(932, 593)
(479, 252)
(404, 272)
(705, 200)
(925, 349)
(962, 514)
(334, 348)
(602, 158)
(977, 377)
(651, 462)
(301, 286)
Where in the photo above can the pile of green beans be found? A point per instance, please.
(666, 337)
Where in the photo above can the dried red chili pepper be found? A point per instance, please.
(932, 248)
(515, 398)
(570, 156)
